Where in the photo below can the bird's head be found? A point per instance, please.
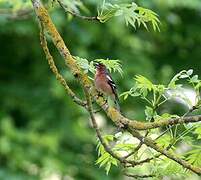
(99, 65)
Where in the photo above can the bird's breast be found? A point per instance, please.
(102, 84)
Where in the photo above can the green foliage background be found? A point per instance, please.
(42, 132)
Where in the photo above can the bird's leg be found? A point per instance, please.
(100, 94)
(98, 110)
(97, 96)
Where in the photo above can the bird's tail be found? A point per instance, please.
(113, 102)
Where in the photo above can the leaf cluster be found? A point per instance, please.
(133, 14)
(156, 95)
(88, 66)
(105, 159)
(118, 147)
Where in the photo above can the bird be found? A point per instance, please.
(105, 84)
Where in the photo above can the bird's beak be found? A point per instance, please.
(96, 64)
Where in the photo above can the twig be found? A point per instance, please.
(139, 176)
(137, 148)
(190, 111)
(138, 163)
(66, 9)
(134, 151)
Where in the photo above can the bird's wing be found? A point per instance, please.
(112, 84)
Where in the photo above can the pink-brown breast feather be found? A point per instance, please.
(101, 83)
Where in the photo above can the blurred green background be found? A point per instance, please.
(43, 134)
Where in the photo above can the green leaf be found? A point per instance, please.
(166, 116)
(105, 159)
(198, 132)
(114, 162)
(198, 85)
(144, 83)
(184, 76)
(134, 92)
(123, 147)
(194, 79)
(194, 157)
(149, 112)
(107, 168)
(164, 141)
(189, 72)
(160, 88)
(147, 15)
(173, 168)
(172, 84)
(85, 64)
(108, 138)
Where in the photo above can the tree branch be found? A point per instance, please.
(117, 118)
(137, 148)
(66, 9)
(54, 69)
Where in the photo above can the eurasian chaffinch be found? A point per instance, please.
(105, 84)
